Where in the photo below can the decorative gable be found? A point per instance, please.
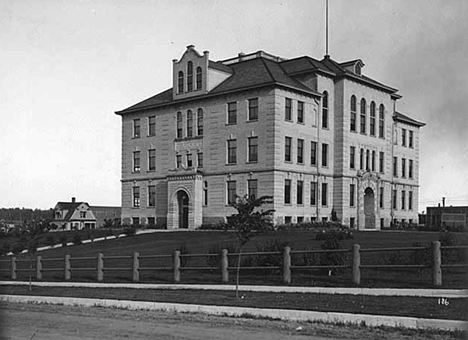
(353, 66)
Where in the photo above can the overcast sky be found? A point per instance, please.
(66, 66)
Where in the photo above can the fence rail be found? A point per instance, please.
(98, 263)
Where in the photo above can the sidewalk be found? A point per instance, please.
(436, 293)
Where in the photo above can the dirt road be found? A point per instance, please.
(47, 322)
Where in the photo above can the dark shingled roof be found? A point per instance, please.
(405, 119)
(70, 206)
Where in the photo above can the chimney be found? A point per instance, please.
(443, 202)
(241, 56)
(73, 199)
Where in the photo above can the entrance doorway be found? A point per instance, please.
(369, 209)
(183, 207)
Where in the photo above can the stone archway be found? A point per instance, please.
(183, 209)
(369, 209)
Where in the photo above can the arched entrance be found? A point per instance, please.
(369, 209)
(183, 208)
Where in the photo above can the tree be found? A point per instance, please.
(249, 222)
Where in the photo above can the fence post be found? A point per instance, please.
(224, 266)
(287, 265)
(100, 267)
(176, 266)
(136, 267)
(67, 273)
(13, 268)
(39, 267)
(436, 263)
(356, 269)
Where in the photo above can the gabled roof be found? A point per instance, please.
(70, 207)
(405, 119)
(164, 97)
(219, 66)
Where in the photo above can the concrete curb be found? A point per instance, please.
(436, 293)
(283, 314)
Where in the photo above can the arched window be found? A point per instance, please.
(179, 124)
(199, 78)
(189, 76)
(189, 123)
(325, 110)
(199, 122)
(381, 120)
(352, 125)
(363, 115)
(205, 193)
(372, 119)
(180, 83)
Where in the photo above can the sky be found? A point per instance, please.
(67, 65)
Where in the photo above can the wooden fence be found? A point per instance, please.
(176, 267)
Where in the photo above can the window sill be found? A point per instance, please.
(230, 124)
(288, 120)
(152, 170)
(231, 164)
(187, 138)
(134, 137)
(136, 172)
(151, 135)
(300, 163)
(289, 162)
(251, 162)
(300, 123)
(252, 121)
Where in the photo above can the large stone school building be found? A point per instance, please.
(319, 136)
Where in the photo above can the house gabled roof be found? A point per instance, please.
(70, 207)
(405, 119)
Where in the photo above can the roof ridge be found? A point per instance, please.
(263, 60)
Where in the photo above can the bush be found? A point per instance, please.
(77, 239)
(312, 226)
(214, 226)
(129, 230)
(275, 245)
(50, 240)
(334, 234)
(184, 260)
(332, 242)
(63, 240)
(215, 261)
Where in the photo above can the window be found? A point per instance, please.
(410, 141)
(352, 194)
(287, 149)
(231, 192)
(151, 221)
(403, 197)
(288, 219)
(136, 197)
(189, 123)
(352, 222)
(325, 110)
(151, 160)
(324, 155)
(361, 159)
(300, 151)
(395, 167)
(200, 159)
(82, 214)
(372, 119)
(367, 160)
(381, 161)
(136, 161)
(410, 169)
(324, 193)
(179, 125)
(410, 200)
(232, 151)
(313, 153)
(300, 112)
(152, 126)
(252, 188)
(189, 160)
(381, 120)
(381, 197)
(136, 128)
(352, 125)
(382, 223)
(300, 219)
(232, 113)
(180, 82)
(352, 157)
(135, 220)
(151, 196)
(394, 199)
(373, 160)
(403, 167)
(313, 193)
(199, 78)
(287, 191)
(403, 137)
(205, 193)
(189, 76)
(178, 161)
(299, 192)
(199, 122)
(288, 109)
(253, 149)
(363, 115)
(253, 109)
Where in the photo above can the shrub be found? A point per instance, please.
(214, 226)
(332, 242)
(334, 234)
(129, 231)
(63, 240)
(50, 240)
(77, 239)
(215, 261)
(275, 245)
